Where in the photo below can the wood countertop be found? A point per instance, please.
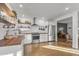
(12, 41)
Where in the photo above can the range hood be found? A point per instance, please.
(34, 21)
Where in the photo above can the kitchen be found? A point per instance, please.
(35, 32)
(30, 30)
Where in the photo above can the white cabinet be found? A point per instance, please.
(28, 39)
(14, 50)
(43, 37)
(51, 38)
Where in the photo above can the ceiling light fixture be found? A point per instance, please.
(20, 5)
(22, 15)
(66, 8)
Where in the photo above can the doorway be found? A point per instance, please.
(64, 31)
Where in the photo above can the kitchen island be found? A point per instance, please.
(11, 47)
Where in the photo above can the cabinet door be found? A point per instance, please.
(28, 39)
(51, 38)
(43, 37)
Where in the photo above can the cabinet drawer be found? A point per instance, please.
(43, 37)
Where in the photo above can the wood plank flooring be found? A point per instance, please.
(38, 50)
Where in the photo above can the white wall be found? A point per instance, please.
(41, 22)
(52, 28)
(52, 22)
(69, 28)
(78, 19)
(75, 30)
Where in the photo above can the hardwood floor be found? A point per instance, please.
(38, 50)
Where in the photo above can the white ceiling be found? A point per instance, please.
(66, 20)
(48, 10)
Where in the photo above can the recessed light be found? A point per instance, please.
(66, 8)
(22, 15)
(21, 5)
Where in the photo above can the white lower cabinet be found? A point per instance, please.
(43, 37)
(28, 39)
(51, 38)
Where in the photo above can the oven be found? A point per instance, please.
(35, 37)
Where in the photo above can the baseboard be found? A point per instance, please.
(39, 42)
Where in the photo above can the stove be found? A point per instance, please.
(35, 37)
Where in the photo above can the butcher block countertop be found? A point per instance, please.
(12, 41)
